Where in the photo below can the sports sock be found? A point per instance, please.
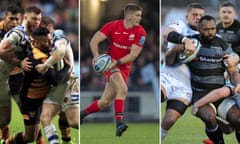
(51, 134)
(119, 109)
(163, 133)
(92, 108)
(5, 132)
(215, 135)
(65, 129)
(237, 134)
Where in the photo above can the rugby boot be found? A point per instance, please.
(121, 128)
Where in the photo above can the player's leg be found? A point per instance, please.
(49, 111)
(178, 95)
(233, 116)
(208, 115)
(119, 84)
(71, 103)
(64, 128)
(101, 104)
(175, 108)
(31, 110)
(5, 112)
(40, 138)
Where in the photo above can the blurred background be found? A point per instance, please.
(143, 97)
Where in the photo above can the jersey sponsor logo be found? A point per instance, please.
(209, 60)
(131, 37)
(119, 46)
(142, 40)
(117, 33)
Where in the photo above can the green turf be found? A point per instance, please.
(190, 130)
(16, 124)
(104, 133)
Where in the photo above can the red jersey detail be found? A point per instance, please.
(121, 39)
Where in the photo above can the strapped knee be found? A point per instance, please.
(177, 106)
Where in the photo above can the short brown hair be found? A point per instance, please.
(194, 6)
(227, 4)
(131, 7)
(33, 9)
(45, 21)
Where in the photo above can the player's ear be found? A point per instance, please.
(35, 43)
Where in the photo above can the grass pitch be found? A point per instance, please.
(16, 125)
(104, 133)
(190, 130)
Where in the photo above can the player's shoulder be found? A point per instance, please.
(59, 34)
(236, 23)
(178, 23)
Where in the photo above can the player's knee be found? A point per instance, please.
(45, 118)
(103, 104)
(73, 123)
(177, 105)
(122, 91)
(233, 116)
(208, 116)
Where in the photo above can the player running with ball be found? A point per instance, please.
(127, 37)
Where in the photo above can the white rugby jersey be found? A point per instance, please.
(180, 72)
(62, 43)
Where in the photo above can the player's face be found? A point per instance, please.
(33, 21)
(208, 30)
(136, 18)
(12, 20)
(227, 15)
(45, 42)
(194, 15)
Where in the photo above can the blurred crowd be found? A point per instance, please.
(64, 13)
(93, 81)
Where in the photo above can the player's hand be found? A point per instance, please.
(26, 65)
(41, 68)
(189, 46)
(194, 109)
(230, 60)
(237, 89)
(112, 65)
(94, 60)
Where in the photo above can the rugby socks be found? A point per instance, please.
(92, 108)
(163, 133)
(51, 134)
(237, 134)
(215, 135)
(65, 130)
(119, 109)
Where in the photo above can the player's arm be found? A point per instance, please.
(7, 46)
(61, 46)
(172, 54)
(212, 96)
(95, 41)
(135, 50)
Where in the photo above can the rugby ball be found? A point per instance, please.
(102, 63)
(184, 58)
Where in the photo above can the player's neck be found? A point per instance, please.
(127, 24)
(226, 25)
